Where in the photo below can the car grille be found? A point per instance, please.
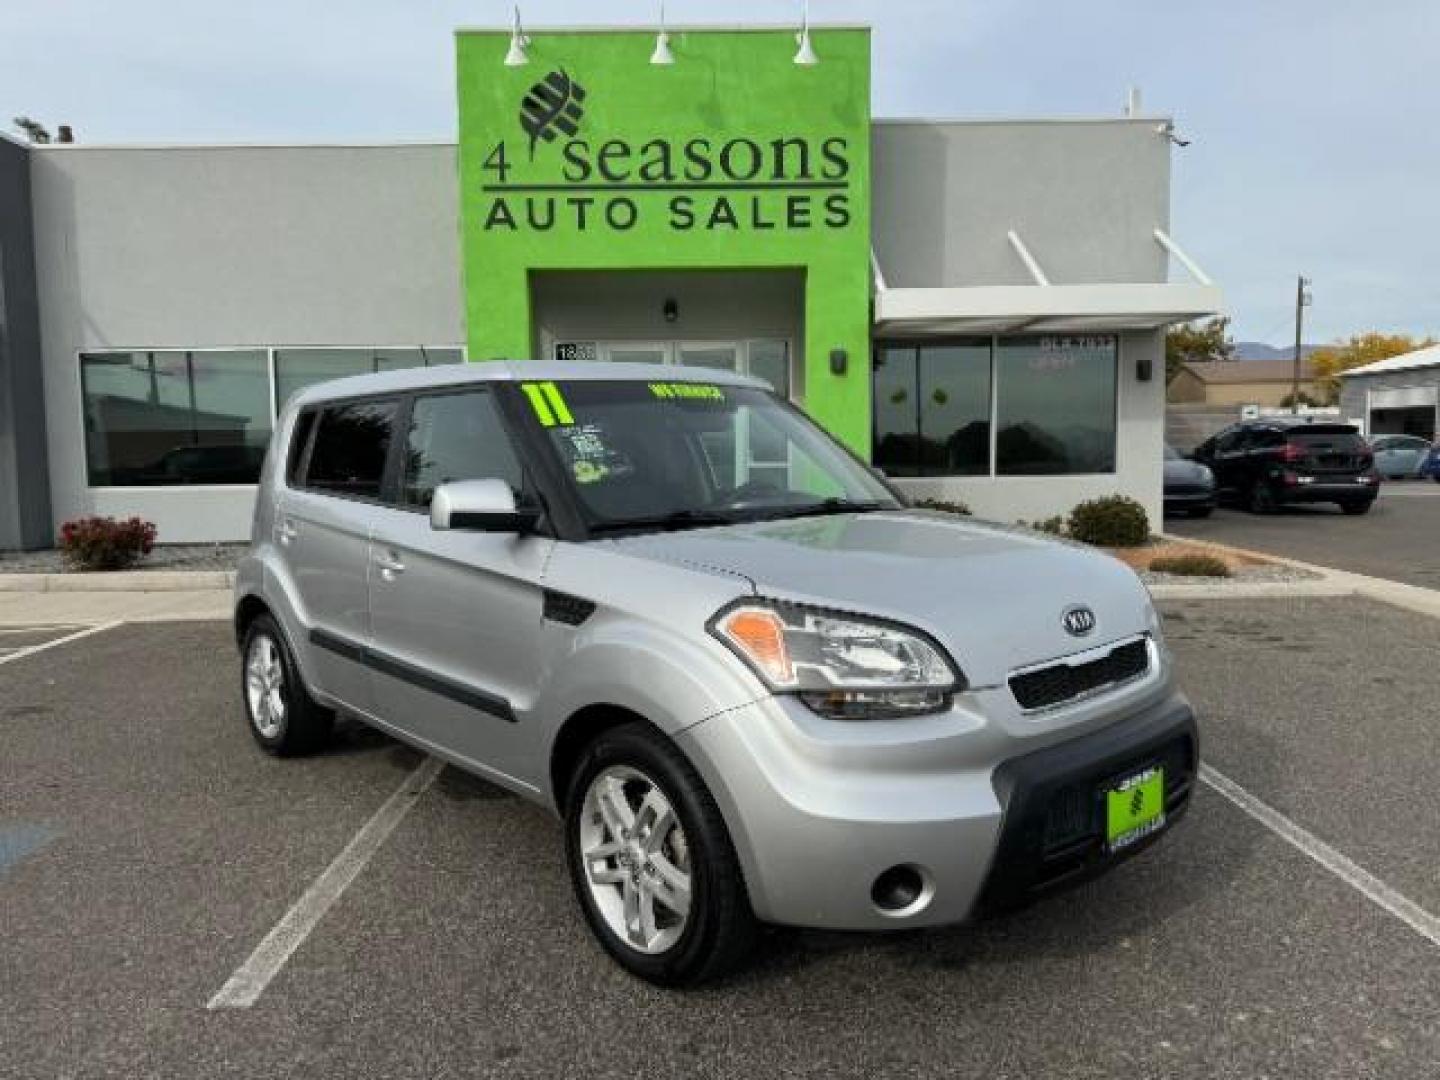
(1059, 683)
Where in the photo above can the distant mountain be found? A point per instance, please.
(1258, 350)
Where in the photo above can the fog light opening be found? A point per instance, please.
(902, 891)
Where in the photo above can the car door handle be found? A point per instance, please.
(389, 565)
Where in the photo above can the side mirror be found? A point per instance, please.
(482, 505)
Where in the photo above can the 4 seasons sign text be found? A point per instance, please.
(697, 182)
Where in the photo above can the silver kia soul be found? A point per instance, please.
(753, 684)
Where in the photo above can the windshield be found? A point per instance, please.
(1171, 454)
(678, 454)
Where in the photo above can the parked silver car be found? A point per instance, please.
(756, 687)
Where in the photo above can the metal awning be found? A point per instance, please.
(1043, 307)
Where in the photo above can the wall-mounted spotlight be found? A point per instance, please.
(670, 310)
(516, 56)
(1168, 130)
(805, 54)
(662, 54)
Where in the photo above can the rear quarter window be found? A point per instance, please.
(299, 441)
(352, 443)
(1328, 438)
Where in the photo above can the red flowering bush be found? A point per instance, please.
(102, 543)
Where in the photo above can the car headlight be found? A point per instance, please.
(842, 666)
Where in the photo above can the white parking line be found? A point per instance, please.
(31, 650)
(1402, 907)
(250, 979)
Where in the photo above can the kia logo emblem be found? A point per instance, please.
(1078, 620)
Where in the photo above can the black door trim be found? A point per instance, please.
(467, 695)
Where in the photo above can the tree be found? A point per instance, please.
(35, 131)
(1359, 349)
(1201, 343)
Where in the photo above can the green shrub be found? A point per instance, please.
(941, 504)
(1055, 526)
(1190, 565)
(1114, 521)
(102, 543)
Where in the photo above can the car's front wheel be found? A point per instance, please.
(284, 718)
(1358, 506)
(653, 865)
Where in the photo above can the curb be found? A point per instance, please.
(120, 581)
(1332, 582)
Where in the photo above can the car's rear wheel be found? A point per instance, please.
(1357, 506)
(1261, 500)
(283, 717)
(1202, 511)
(652, 863)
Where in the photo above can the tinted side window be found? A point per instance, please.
(1267, 438)
(350, 448)
(1228, 441)
(455, 437)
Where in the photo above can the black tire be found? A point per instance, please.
(1357, 506)
(1202, 511)
(303, 726)
(1260, 499)
(720, 928)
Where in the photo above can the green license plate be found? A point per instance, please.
(1135, 808)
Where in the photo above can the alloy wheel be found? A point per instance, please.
(636, 859)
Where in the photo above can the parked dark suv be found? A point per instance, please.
(1264, 464)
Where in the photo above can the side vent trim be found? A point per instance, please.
(563, 608)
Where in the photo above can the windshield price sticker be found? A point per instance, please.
(684, 391)
(591, 459)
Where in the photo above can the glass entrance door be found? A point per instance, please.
(636, 352)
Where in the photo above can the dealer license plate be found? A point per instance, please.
(1135, 808)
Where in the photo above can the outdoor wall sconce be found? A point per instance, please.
(517, 56)
(805, 54)
(670, 309)
(839, 361)
(1143, 370)
(662, 54)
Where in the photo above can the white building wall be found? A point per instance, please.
(231, 246)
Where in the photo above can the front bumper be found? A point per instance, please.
(1189, 498)
(816, 824)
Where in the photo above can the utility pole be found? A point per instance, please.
(1302, 299)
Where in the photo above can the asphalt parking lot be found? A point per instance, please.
(1396, 540)
(146, 847)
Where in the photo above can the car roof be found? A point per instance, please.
(1331, 427)
(493, 371)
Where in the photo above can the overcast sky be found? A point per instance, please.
(1315, 146)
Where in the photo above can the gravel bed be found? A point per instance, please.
(1245, 575)
(164, 557)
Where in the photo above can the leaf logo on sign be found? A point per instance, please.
(552, 106)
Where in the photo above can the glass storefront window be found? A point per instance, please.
(955, 409)
(204, 416)
(175, 417)
(296, 369)
(1053, 398)
(897, 425)
(1055, 405)
(932, 409)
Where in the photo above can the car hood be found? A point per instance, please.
(994, 596)
(1186, 472)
